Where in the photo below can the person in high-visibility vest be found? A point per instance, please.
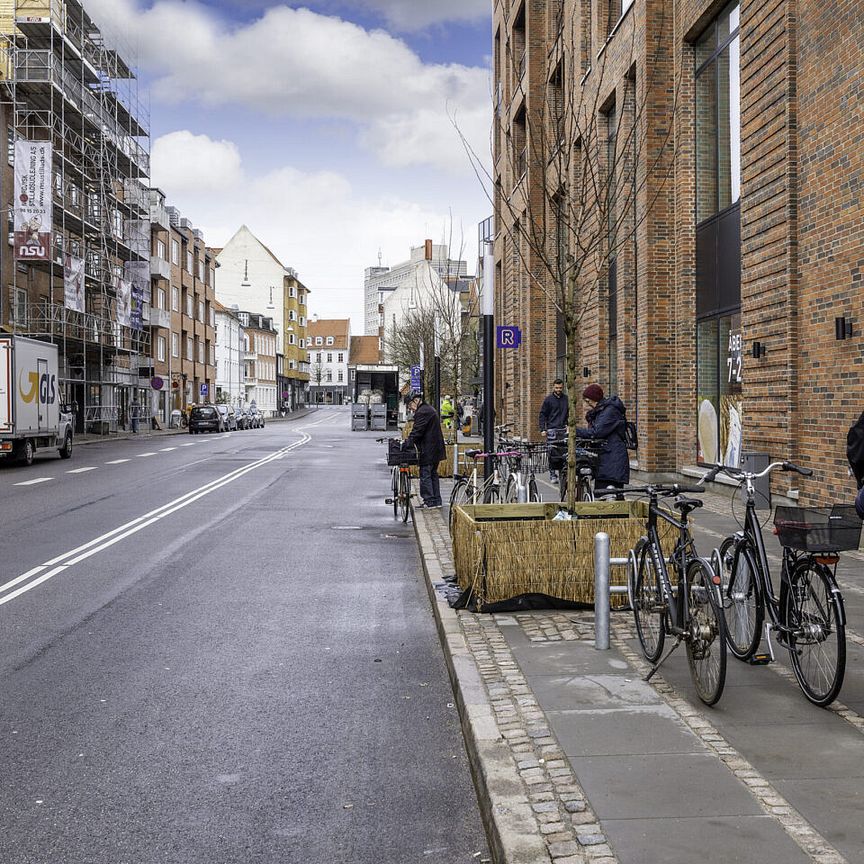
(447, 412)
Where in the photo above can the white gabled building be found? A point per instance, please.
(230, 357)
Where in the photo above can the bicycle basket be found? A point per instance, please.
(818, 529)
(397, 456)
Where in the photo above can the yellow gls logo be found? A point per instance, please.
(33, 379)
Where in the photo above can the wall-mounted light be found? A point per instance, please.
(843, 327)
(758, 349)
(586, 372)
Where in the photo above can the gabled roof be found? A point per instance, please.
(252, 235)
(335, 327)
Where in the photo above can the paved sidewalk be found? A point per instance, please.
(576, 759)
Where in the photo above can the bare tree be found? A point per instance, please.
(586, 173)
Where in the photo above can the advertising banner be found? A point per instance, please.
(124, 303)
(73, 282)
(33, 210)
(137, 274)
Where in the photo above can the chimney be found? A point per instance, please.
(428, 250)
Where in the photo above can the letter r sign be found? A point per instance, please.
(508, 337)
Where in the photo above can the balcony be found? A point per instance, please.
(160, 318)
(159, 268)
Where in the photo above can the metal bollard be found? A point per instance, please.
(601, 591)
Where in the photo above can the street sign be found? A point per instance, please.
(416, 378)
(508, 337)
(157, 383)
(204, 390)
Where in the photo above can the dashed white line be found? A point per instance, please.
(117, 462)
(34, 482)
(81, 470)
(190, 444)
(143, 455)
(167, 449)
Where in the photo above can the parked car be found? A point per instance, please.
(229, 417)
(257, 419)
(242, 418)
(205, 418)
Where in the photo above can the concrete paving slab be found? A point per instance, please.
(834, 808)
(623, 731)
(712, 840)
(651, 786)
(830, 749)
(562, 658)
(555, 692)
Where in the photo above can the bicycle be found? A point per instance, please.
(400, 462)
(587, 458)
(470, 489)
(809, 615)
(690, 609)
(521, 486)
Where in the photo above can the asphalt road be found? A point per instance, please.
(220, 649)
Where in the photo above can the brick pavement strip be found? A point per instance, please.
(533, 809)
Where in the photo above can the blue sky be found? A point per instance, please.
(326, 127)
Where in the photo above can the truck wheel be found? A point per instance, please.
(26, 452)
(66, 449)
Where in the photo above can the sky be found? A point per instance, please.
(335, 130)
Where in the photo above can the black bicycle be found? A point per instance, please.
(587, 458)
(400, 462)
(808, 616)
(690, 609)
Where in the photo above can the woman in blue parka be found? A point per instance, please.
(606, 418)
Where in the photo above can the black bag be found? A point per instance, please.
(855, 450)
(630, 435)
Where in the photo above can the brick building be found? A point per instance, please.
(722, 299)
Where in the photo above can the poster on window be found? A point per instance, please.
(124, 303)
(73, 282)
(32, 205)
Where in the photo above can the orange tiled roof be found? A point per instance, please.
(364, 351)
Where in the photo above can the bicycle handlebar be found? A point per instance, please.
(664, 490)
(751, 475)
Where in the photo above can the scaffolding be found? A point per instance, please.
(70, 87)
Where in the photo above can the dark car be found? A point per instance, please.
(205, 418)
(229, 417)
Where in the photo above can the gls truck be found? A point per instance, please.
(31, 416)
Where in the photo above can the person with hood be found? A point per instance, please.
(606, 418)
(554, 413)
(427, 437)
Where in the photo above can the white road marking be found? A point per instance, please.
(34, 482)
(117, 462)
(190, 444)
(81, 470)
(167, 449)
(143, 455)
(76, 556)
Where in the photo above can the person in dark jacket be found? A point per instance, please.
(427, 437)
(605, 419)
(554, 413)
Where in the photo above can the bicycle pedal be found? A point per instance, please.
(760, 659)
(389, 500)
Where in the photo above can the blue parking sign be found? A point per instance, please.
(204, 390)
(416, 376)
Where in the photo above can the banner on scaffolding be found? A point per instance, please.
(33, 211)
(73, 282)
(137, 273)
(124, 303)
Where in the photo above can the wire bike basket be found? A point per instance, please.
(396, 456)
(818, 529)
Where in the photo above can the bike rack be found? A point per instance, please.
(603, 591)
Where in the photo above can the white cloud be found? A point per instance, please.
(410, 15)
(315, 222)
(297, 63)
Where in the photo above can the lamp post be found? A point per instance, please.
(487, 309)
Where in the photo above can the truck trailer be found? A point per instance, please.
(32, 416)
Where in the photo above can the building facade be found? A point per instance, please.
(260, 338)
(80, 277)
(294, 374)
(182, 317)
(721, 299)
(230, 357)
(327, 348)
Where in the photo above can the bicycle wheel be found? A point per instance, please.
(706, 636)
(583, 489)
(533, 492)
(562, 484)
(491, 492)
(817, 642)
(649, 607)
(462, 494)
(394, 484)
(510, 491)
(743, 605)
(404, 494)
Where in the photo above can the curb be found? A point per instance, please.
(507, 815)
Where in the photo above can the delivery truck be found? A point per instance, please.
(32, 416)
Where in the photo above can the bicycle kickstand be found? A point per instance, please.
(662, 660)
(762, 658)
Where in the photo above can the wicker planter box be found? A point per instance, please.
(502, 551)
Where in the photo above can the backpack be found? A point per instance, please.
(855, 450)
(631, 435)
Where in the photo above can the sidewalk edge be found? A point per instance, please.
(507, 815)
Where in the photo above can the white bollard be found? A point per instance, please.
(601, 591)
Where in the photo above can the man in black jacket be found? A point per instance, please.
(554, 414)
(427, 437)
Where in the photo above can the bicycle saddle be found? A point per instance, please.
(685, 505)
(472, 453)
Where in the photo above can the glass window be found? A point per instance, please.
(341, 358)
(190, 262)
(175, 344)
(175, 252)
(201, 311)
(175, 298)
(329, 358)
(160, 249)
(160, 348)
(162, 299)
